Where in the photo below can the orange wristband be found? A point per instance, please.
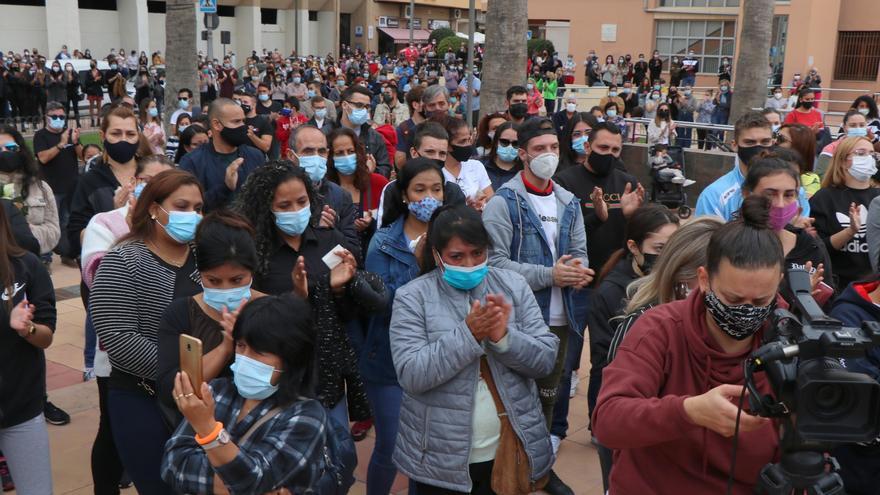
(211, 436)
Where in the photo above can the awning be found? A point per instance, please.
(401, 35)
(478, 36)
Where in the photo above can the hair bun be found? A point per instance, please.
(755, 211)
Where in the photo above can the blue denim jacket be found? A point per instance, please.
(389, 257)
(520, 244)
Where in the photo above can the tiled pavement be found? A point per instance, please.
(71, 444)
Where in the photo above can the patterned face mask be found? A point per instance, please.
(740, 321)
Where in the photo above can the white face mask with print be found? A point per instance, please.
(863, 167)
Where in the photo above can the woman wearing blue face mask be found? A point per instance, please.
(459, 334)
(149, 267)
(226, 258)
(279, 201)
(393, 255)
(261, 429)
(501, 163)
(351, 167)
(151, 124)
(573, 141)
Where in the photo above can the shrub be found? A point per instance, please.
(453, 41)
(440, 34)
(537, 45)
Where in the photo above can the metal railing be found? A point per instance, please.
(637, 128)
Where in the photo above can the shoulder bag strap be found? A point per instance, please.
(486, 373)
(266, 417)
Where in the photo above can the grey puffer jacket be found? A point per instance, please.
(437, 362)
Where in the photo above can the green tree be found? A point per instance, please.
(750, 73)
(181, 56)
(539, 45)
(453, 42)
(504, 60)
(440, 34)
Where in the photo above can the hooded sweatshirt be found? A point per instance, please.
(670, 355)
(859, 464)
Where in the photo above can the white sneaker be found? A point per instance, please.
(555, 441)
(678, 180)
(575, 380)
(688, 182)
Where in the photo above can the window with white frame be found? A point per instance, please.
(711, 41)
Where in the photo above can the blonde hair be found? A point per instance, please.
(838, 170)
(682, 255)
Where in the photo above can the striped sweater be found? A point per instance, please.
(131, 291)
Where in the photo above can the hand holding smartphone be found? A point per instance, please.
(191, 361)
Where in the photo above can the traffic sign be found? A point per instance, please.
(208, 6)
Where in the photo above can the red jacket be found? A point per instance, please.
(668, 356)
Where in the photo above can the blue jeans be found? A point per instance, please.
(683, 134)
(139, 433)
(559, 426)
(385, 401)
(91, 342)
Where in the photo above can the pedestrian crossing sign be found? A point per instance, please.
(208, 6)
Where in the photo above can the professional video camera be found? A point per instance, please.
(819, 403)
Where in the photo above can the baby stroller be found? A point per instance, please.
(669, 194)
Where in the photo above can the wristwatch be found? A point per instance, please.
(221, 440)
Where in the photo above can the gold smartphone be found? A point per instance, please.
(191, 361)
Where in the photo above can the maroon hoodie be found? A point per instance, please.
(668, 356)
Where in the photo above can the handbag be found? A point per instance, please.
(511, 473)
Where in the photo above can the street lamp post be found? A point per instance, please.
(472, 21)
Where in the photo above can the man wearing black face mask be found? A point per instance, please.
(752, 134)
(260, 129)
(517, 104)
(224, 162)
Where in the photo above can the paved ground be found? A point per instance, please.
(71, 444)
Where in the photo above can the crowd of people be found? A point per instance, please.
(351, 255)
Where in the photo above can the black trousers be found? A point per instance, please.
(481, 476)
(106, 466)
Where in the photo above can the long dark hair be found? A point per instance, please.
(568, 156)
(395, 207)
(282, 325)
(803, 140)
(452, 221)
(9, 249)
(29, 170)
(361, 173)
(254, 201)
(646, 220)
(493, 151)
(483, 128)
(186, 138)
(224, 237)
(779, 161)
(872, 105)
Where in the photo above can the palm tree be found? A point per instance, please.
(754, 48)
(504, 60)
(181, 56)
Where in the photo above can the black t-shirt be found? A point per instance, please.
(62, 172)
(806, 248)
(830, 207)
(273, 107)
(22, 366)
(316, 242)
(260, 124)
(603, 238)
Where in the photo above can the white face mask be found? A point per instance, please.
(544, 165)
(571, 107)
(862, 168)
(778, 96)
(864, 111)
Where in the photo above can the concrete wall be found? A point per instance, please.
(24, 27)
(701, 166)
(100, 32)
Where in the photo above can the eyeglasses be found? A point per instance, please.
(508, 142)
(864, 152)
(11, 146)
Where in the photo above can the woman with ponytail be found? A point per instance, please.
(668, 403)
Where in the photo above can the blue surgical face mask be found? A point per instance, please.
(138, 189)
(321, 113)
(181, 225)
(293, 222)
(507, 153)
(182, 104)
(856, 131)
(252, 378)
(263, 97)
(296, 80)
(359, 116)
(578, 145)
(153, 112)
(228, 298)
(57, 123)
(424, 208)
(464, 278)
(315, 166)
(345, 165)
(311, 93)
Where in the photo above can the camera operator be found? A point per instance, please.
(668, 399)
(860, 463)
